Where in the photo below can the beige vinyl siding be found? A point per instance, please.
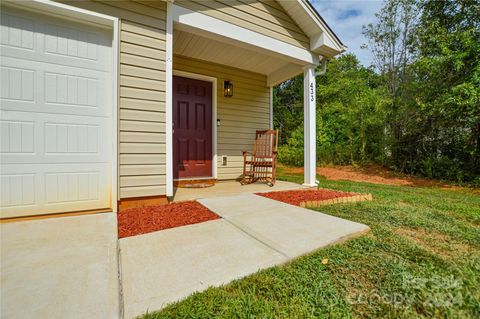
(241, 115)
(142, 93)
(266, 17)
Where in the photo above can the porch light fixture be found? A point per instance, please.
(227, 88)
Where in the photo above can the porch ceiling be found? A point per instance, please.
(208, 49)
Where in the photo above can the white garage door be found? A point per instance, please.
(55, 115)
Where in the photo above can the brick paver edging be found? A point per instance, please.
(338, 200)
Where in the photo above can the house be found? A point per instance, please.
(108, 103)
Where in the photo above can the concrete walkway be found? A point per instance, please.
(287, 229)
(162, 267)
(62, 267)
(229, 188)
(255, 233)
(68, 267)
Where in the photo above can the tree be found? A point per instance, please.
(446, 89)
(418, 113)
(288, 107)
(350, 117)
(390, 41)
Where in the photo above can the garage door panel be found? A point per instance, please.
(17, 30)
(12, 52)
(17, 84)
(59, 139)
(52, 40)
(17, 137)
(42, 87)
(27, 190)
(56, 104)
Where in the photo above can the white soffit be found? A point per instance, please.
(201, 24)
(202, 48)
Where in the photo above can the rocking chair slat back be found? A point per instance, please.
(265, 144)
(262, 164)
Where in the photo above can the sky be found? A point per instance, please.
(346, 18)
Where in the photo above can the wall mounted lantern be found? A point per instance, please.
(227, 89)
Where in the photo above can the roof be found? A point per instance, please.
(323, 21)
(322, 38)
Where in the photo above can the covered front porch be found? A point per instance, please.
(228, 188)
(208, 55)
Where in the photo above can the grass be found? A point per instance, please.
(421, 260)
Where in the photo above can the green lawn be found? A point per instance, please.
(421, 259)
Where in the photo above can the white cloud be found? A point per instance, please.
(346, 18)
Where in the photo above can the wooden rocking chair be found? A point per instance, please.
(262, 163)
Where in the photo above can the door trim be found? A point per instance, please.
(66, 12)
(212, 80)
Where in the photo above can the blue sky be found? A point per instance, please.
(346, 18)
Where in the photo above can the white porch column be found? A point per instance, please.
(309, 122)
(169, 101)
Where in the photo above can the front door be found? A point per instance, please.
(192, 128)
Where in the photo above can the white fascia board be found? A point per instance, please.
(283, 74)
(323, 39)
(320, 40)
(325, 30)
(53, 7)
(225, 30)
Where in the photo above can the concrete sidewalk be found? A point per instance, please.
(162, 267)
(255, 233)
(290, 230)
(63, 267)
(67, 267)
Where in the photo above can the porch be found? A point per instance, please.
(207, 54)
(228, 188)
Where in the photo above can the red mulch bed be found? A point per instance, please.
(295, 197)
(136, 221)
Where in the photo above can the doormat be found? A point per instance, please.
(311, 198)
(196, 185)
(143, 220)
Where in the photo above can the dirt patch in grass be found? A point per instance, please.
(297, 197)
(136, 221)
(375, 174)
(440, 244)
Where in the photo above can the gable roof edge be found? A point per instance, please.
(322, 39)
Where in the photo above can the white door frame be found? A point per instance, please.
(70, 12)
(212, 80)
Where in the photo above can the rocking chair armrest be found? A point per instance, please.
(274, 153)
(245, 153)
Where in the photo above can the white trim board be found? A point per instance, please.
(115, 117)
(199, 23)
(322, 39)
(63, 10)
(271, 107)
(169, 102)
(213, 80)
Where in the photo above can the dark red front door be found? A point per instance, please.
(192, 128)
